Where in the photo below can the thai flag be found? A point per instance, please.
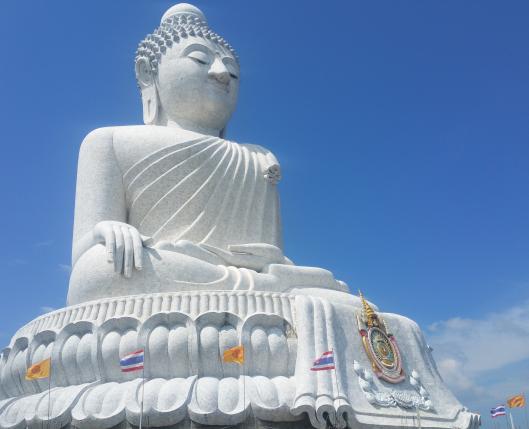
(132, 361)
(498, 411)
(324, 363)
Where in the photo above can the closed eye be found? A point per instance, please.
(199, 57)
(234, 76)
(198, 61)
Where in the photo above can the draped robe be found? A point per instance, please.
(205, 190)
(184, 189)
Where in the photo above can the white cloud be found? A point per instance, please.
(454, 375)
(46, 309)
(482, 359)
(66, 268)
(484, 344)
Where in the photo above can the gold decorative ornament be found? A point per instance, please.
(380, 344)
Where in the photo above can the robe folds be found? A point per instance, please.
(205, 190)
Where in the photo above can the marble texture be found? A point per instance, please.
(183, 334)
(199, 199)
(177, 249)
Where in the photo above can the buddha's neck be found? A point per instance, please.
(188, 126)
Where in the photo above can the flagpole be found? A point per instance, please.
(142, 392)
(336, 380)
(506, 420)
(511, 420)
(49, 395)
(418, 417)
(243, 391)
(335, 374)
(525, 411)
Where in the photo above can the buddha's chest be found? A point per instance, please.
(196, 164)
(145, 154)
(204, 189)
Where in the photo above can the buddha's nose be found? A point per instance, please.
(219, 71)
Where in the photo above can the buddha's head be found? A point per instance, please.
(188, 75)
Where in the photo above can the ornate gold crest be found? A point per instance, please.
(379, 344)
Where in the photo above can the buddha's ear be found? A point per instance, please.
(149, 94)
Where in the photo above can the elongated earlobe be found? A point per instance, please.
(149, 98)
(149, 93)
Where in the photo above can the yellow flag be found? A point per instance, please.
(39, 370)
(516, 401)
(235, 355)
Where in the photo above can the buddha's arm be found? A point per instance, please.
(100, 210)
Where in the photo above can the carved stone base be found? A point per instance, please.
(250, 423)
(186, 382)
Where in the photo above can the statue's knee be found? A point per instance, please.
(89, 275)
(93, 260)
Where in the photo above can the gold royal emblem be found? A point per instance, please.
(379, 344)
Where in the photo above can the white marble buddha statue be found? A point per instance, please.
(171, 205)
(177, 251)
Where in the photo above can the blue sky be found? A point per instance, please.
(402, 128)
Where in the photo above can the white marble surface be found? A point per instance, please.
(184, 334)
(207, 209)
(177, 249)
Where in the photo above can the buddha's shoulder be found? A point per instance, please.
(154, 133)
(137, 133)
(130, 142)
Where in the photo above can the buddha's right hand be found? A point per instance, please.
(255, 256)
(124, 245)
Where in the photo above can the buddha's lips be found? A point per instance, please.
(223, 86)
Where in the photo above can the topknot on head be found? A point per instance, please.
(183, 9)
(179, 22)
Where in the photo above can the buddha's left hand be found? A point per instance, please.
(255, 256)
(123, 243)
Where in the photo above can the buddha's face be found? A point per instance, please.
(198, 84)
